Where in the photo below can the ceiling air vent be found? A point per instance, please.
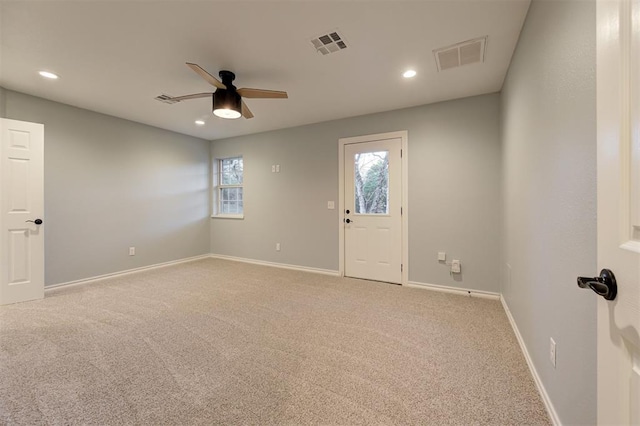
(465, 53)
(329, 43)
(167, 99)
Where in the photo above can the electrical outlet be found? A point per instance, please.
(277, 246)
(132, 251)
(273, 168)
(552, 351)
(331, 205)
(455, 266)
(277, 168)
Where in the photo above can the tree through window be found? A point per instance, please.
(372, 182)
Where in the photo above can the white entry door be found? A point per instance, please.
(22, 204)
(618, 104)
(372, 210)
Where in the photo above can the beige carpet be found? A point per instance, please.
(220, 342)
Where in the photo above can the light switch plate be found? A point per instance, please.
(331, 205)
(442, 256)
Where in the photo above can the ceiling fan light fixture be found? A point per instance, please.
(227, 104)
(226, 113)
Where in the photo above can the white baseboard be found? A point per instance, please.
(126, 272)
(455, 290)
(541, 389)
(277, 265)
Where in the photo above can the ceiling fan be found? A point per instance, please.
(227, 99)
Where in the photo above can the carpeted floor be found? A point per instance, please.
(221, 342)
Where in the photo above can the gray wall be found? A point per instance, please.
(111, 184)
(549, 137)
(2, 102)
(454, 191)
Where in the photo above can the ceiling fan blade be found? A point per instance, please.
(202, 73)
(259, 93)
(194, 96)
(246, 112)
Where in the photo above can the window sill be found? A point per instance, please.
(227, 216)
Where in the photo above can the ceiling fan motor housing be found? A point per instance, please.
(227, 99)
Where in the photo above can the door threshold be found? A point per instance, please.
(375, 281)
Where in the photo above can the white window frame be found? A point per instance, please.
(218, 187)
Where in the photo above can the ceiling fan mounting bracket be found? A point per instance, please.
(227, 78)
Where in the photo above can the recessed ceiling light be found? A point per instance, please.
(200, 122)
(47, 74)
(409, 74)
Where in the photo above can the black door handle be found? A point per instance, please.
(37, 221)
(348, 220)
(605, 285)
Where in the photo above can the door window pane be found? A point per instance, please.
(372, 182)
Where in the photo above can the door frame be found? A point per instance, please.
(403, 135)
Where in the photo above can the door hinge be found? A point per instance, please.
(400, 211)
(400, 153)
(401, 267)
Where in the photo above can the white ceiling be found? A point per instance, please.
(114, 57)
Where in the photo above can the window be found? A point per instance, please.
(228, 183)
(371, 182)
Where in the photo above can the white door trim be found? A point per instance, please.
(404, 137)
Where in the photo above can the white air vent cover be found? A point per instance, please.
(467, 52)
(167, 99)
(329, 43)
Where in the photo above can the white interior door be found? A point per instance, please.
(22, 204)
(372, 210)
(618, 103)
